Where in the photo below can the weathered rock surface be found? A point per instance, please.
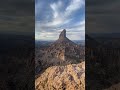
(62, 34)
(69, 77)
(63, 39)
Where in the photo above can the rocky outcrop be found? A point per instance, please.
(62, 34)
(70, 77)
(71, 50)
(63, 39)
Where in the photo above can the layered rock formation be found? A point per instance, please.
(65, 49)
(60, 66)
(70, 77)
(62, 52)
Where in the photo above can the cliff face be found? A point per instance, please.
(70, 77)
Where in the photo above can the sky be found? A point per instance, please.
(102, 16)
(17, 17)
(52, 16)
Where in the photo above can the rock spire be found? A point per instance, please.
(62, 35)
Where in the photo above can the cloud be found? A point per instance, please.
(102, 16)
(17, 16)
(73, 6)
(56, 8)
(60, 15)
(74, 32)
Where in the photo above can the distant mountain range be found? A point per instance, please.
(48, 42)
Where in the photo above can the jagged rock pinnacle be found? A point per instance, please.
(62, 34)
(63, 39)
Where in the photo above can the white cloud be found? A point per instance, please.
(81, 22)
(58, 15)
(73, 6)
(56, 8)
(76, 31)
(60, 19)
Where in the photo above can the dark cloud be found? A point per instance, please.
(17, 16)
(26, 6)
(102, 16)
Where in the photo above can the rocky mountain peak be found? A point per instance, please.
(62, 34)
(63, 40)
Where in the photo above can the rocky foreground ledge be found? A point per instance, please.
(70, 77)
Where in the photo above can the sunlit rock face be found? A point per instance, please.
(69, 77)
